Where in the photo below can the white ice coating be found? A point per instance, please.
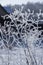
(20, 43)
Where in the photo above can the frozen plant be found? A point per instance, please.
(21, 30)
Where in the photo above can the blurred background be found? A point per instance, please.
(10, 5)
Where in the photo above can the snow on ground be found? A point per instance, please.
(14, 57)
(17, 56)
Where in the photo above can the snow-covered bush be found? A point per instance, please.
(19, 26)
(21, 30)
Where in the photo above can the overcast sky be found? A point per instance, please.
(12, 2)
